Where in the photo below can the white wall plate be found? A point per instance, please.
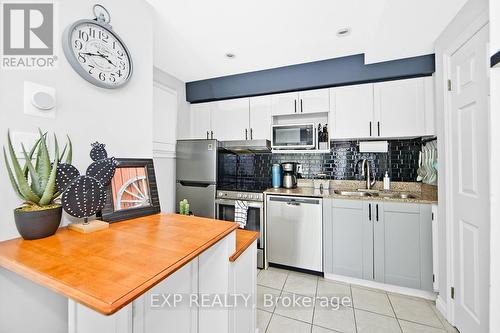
(39, 100)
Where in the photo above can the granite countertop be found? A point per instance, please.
(420, 197)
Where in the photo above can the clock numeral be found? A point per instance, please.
(83, 35)
(92, 32)
(103, 36)
(81, 58)
(114, 45)
(119, 72)
(91, 68)
(112, 77)
(102, 76)
(123, 65)
(120, 53)
(78, 44)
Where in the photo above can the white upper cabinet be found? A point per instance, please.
(401, 108)
(230, 119)
(201, 124)
(283, 104)
(351, 110)
(260, 117)
(312, 101)
(309, 101)
(393, 109)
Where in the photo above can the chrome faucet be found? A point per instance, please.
(365, 172)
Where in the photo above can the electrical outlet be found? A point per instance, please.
(299, 168)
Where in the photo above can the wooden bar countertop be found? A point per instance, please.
(244, 238)
(108, 269)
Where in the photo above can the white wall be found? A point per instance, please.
(495, 177)
(467, 15)
(119, 118)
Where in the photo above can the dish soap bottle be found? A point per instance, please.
(387, 182)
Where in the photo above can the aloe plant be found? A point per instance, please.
(35, 182)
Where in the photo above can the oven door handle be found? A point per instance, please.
(231, 202)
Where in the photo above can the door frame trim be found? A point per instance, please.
(469, 32)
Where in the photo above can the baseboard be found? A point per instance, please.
(383, 286)
(441, 306)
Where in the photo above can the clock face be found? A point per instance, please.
(101, 56)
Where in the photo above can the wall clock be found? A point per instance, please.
(96, 52)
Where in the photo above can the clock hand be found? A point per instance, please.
(90, 54)
(106, 57)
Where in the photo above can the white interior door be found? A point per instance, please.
(164, 139)
(470, 183)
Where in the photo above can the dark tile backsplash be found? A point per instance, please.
(343, 162)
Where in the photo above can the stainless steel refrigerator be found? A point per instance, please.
(196, 175)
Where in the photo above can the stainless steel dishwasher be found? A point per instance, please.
(294, 232)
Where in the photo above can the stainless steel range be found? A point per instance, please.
(224, 210)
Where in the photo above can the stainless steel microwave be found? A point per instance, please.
(294, 136)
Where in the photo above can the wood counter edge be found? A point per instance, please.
(244, 238)
(96, 304)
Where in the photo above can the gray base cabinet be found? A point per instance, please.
(385, 242)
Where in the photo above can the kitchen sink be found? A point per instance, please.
(353, 193)
(371, 193)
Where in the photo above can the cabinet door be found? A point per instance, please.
(351, 112)
(230, 119)
(260, 117)
(350, 239)
(403, 245)
(400, 108)
(283, 104)
(311, 101)
(154, 314)
(201, 120)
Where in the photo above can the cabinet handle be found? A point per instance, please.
(211, 134)
(370, 128)
(251, 133)
(370, 212)
(301, 106)
(295, 105)
(376, 212)
(246, 134)
(207, 135)
(378, 127)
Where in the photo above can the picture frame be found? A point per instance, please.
(132, 192)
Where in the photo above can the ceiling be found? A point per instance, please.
(193, 36)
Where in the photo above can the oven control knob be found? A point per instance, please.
(245, 196)
(239, 195)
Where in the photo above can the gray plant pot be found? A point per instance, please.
(38, 224)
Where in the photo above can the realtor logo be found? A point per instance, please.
(28, 36)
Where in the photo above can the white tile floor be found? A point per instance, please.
(365, 310)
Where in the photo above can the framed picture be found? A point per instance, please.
(132, 191)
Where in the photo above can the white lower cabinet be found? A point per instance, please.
(385, 242)
(177, 304)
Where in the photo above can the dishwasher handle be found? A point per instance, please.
(296, 201)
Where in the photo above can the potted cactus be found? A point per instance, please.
(35, 184)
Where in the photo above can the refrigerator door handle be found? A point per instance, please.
(194, 184)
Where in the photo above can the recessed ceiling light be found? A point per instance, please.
(230, 55)
(344, 32)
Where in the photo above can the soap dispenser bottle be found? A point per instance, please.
(387, 182)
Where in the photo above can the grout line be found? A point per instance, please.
(314, 307)
(353, 309)
(394, 311)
